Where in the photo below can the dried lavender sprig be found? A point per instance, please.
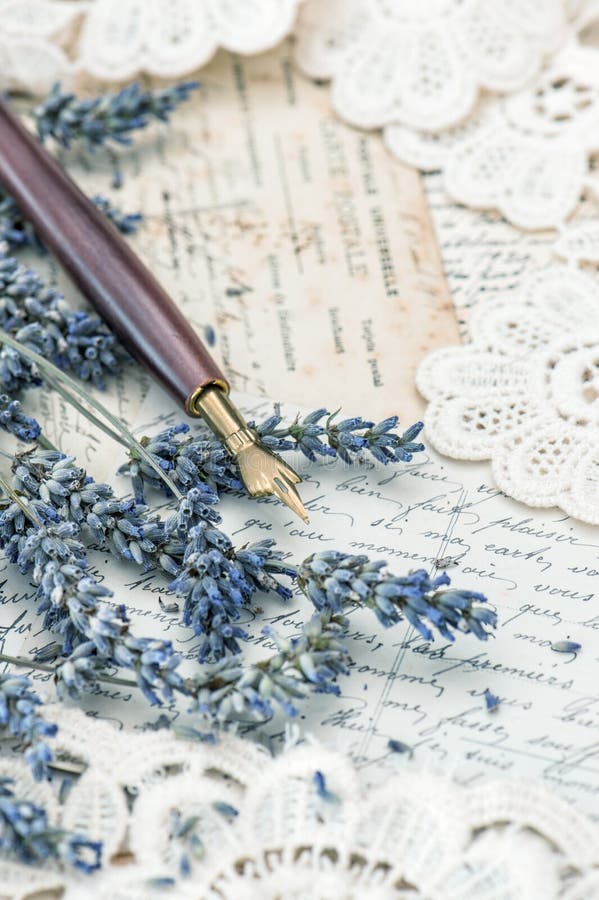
(39, 318)
(200, 458)
(96, 634)
(214, 579)
(334, 580)
(190, 460)
(107, 118)
(68, 493)
(310, 660)
(20, 717)
(26, 834)
(346, 439)
(17, 232)
(216, 582)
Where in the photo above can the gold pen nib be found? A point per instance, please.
(262, 471)
(285, 491)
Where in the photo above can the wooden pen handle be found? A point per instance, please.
(102, 265)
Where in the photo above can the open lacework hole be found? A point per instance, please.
(589, 376)
(323, 858)
(523, 333)
(494, 420)
(379, 869)
(561, 98)
(571, 380)
(547, 460)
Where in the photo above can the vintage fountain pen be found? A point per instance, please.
(134, 304)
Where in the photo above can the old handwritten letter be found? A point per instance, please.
(539, 569)
(308, 253)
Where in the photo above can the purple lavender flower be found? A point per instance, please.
(126, 223)
(125, 528)
(566, 646)
(212, 578)
(14, 420)
(311, 660)
(306, 435)
(216, 582)
(20, 716)
(26, 834)
(334, 580)
(319, 434)
(183, 832)
(17, 232)
(71, 600)
(39, 317)
(189, 462)
(322, 788)
(201, 459)
(108, 118)
(492, 701)
(386, 446)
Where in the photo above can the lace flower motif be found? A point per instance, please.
(44, 41)
(525, 392)
(121, 38)
(328, 832)
(525, 155)
(423, 65)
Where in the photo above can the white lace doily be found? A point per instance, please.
(266, 831)
(458, 86)
(423, 64)
(433, 74)
(43, 41)
(525, 392)
(526, 155)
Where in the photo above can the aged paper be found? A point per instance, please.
(294, 243)
(539, 569)
(298, 242)
(286, 234)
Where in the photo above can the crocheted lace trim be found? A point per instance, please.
(525, 392)
(43, 41)
(502, 96)
(275, 830)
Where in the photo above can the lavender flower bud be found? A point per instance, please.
(26, 834)
(39, 317)
(13, 420)
(20, 716)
